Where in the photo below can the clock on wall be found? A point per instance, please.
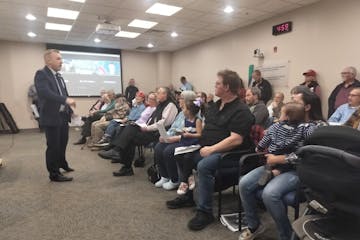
(282, 28)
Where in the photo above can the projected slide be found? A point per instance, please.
(86, 74)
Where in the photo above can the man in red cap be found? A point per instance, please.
(311, 82)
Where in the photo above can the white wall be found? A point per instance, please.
(325, 37)
(19, 62)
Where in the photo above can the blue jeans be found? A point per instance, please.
(272, 197)
(206, 168)
(111, 128)
(164, 157)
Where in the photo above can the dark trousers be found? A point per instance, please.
(164, 158)
(130, 137)
(86, 128)
(56, 140)
(186, 164)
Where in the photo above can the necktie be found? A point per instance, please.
(59, 83)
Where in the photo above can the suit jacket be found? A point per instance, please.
(50, 99)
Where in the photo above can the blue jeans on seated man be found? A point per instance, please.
(206, 168)
(272, 197)
(111, 129)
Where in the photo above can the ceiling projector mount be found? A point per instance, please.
(107, 27)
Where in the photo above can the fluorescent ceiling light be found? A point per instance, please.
(31, 34)
(228, 9)
(59, 27)
(30, 17)
(163, 9)
(142, 24)
(174, 34)
(62, 13)
(97, 40)
(126, 34)
(150, 45)
(80, 1)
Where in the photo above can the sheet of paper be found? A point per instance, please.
(162, 131)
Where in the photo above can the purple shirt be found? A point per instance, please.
(144, 117)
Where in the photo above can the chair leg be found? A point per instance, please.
(234, 190)
(219, 204)
(239, 213)
(297, 210)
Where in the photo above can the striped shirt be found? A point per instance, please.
(283, 138)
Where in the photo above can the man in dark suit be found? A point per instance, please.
(55, 113)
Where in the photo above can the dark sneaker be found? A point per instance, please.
(124, 171)
(200, 221)
(102, 143)
(180, 202)
(110, 154)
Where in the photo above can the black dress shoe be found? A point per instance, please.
(124, 171)
(116, 160)
(110, 154)
(68, 169)
(81, 141)
(180, 202)
(200, 221)
(60, 178)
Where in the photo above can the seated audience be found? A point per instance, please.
(99, 102)
(257, 107)
(109, 99)
(264, 86)
(202, 96)
(354, 120)
(134, 135)
(279, 186)
(344, 112)
(134, 115)
(164, 151)
(339, 95)
(190, 136)
(119, 112)
(275, 106)
(311, 82)
(210, 99)
(227, 127)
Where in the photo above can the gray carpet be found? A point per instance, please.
(95, 205)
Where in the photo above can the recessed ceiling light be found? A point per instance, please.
(30, 17)
(163, 9)
(142, 24)
(62, 13)
(126, 34)
(59, 27)
(80, 1)
(97, 40)
(174, 34)
(31, 34)
(228, 9)
(150, 45)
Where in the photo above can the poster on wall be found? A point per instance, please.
(276, 72)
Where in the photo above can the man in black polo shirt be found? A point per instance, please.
(227, 127)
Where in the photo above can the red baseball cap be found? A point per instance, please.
(140, 94)
(310, 72)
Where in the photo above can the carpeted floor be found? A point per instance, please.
(95, 205)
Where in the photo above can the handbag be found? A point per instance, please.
(153, 173)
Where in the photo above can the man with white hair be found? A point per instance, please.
(339, 95)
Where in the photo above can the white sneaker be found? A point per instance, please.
(170, 185)
(161, 182)
(246, 234)
(183, 188)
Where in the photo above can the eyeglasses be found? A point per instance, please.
(344, 73)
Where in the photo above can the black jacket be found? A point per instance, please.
(130, 93)
(50, 99)
(334, 93)
(266, 90)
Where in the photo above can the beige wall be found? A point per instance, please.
(19, 62)
(325, 37)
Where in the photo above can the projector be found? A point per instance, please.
(107, 29)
